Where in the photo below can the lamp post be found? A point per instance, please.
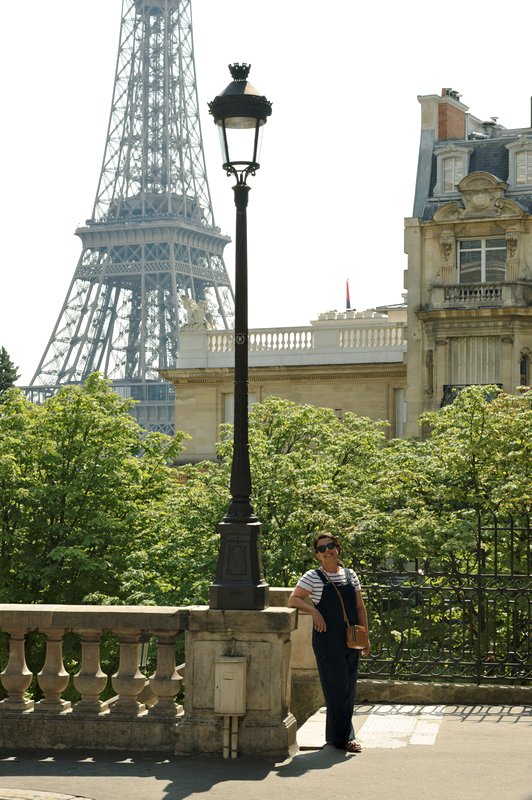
(240, 113)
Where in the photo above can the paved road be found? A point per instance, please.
(421, 752)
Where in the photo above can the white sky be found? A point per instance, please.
(339, 154)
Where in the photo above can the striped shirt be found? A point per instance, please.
(311, 581)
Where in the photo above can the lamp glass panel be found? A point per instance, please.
(238, 140)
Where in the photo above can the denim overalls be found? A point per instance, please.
(337, 663)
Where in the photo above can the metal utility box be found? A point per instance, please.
(230, 685)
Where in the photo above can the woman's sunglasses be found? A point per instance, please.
(321, 548)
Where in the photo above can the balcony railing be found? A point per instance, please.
(483, 293)
(384, 336)
(267, 340)
(477, 295)
(339, 341)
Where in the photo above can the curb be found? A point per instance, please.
(30, 794)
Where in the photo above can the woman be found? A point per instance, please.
(337, 664)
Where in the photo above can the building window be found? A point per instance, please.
(523, 168)
(453, 172)
(524, 369)
(520, 163)
(482, 260)
(229, 405)
(452, 164)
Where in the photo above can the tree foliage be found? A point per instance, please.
(312, 473)
(8, 372)
(78, 477)
(90, 510)
(476, 460)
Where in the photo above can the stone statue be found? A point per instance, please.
(197, 314)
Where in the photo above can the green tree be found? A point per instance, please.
(85, 517)
(481, 448)
(78, 477)
(476, 461)
(8, 372)
(310, 472)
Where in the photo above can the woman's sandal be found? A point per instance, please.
(353, 747)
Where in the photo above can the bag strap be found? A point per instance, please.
(346, 620)
(322, 577)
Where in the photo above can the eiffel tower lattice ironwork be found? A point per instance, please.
(151, 250)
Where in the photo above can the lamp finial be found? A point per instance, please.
(239, 72)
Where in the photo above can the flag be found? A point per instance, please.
(347, 300)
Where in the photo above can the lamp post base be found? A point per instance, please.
(239, 583)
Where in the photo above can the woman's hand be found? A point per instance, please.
(367, 650)
(318, 621)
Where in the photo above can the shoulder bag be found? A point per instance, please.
(357, 635)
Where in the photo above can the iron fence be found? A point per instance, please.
(458, 616)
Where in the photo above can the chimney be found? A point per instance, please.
(451, 116)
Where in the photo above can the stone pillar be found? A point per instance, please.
(509, 365)
(90, 681)
(267, 728)
(166, 681)
(441, 372)
(16, 677)
(53, 678)
(129, 681)
(307, 694)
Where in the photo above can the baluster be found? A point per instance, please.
(53, 678)
(166, 681)
(90, 681)
(16, 677)
(129, 681)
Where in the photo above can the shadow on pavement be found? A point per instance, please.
(458, 754)
(170, 778)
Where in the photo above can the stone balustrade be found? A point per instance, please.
(142, 714)
(282, 681)
(340, 339)
(143, 709)
(479, 295)
(264, 341)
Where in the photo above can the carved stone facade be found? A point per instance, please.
(468, 316)
(347, 361)
(469, 247)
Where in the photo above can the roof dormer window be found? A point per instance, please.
(453, 172)
(520, 163)
(523, 168)
(452, 164)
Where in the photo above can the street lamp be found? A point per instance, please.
(240, 113)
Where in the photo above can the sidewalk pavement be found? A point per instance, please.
(421, 752)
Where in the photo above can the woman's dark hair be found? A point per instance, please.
(327, 536)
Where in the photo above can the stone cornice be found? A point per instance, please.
(489, 314)
(295, 374)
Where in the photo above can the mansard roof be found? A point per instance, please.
(487, 155)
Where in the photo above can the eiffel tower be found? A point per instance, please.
(151, 251)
